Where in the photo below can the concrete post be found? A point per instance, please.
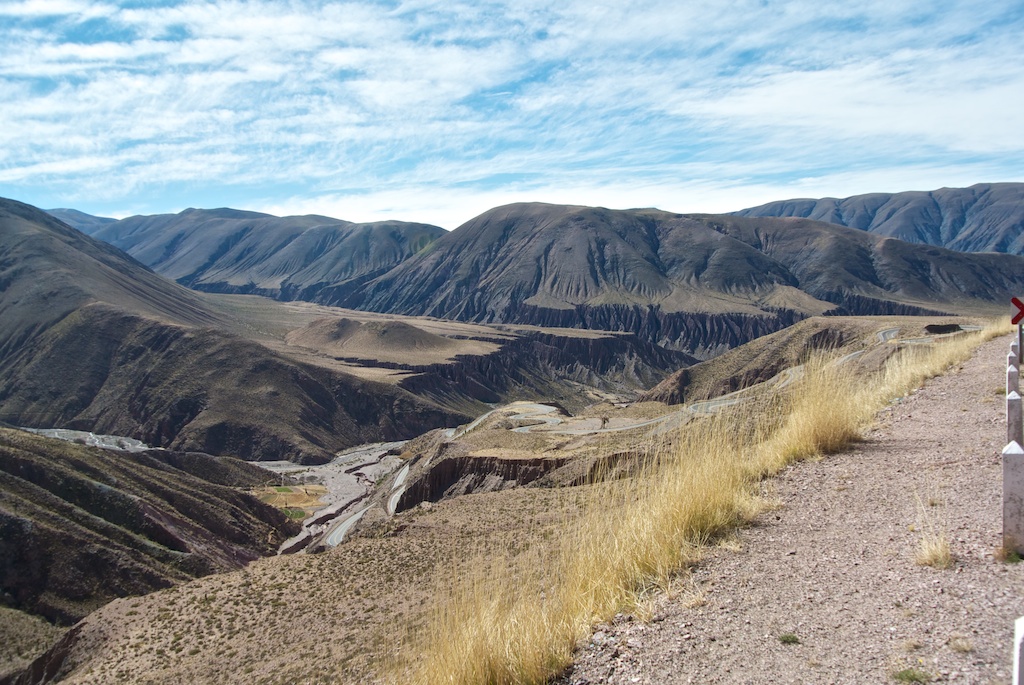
(1014, 419)
(1013, 498)
(1018, 652)
(1015, 347)
(1020, 346)
(1012, 380)
(1013, 360)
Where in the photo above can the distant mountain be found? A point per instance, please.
(80, 525)
(91, 339)
(86, 223)
(988, 217)
(700, 284)
(298, 257)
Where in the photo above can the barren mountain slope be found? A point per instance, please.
(862, 272)
(698, 283)
(93, 340)
(81, 525)
(297, 257)
(987, 217)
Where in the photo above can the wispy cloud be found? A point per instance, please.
(427, 109)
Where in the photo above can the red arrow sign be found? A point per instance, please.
(1019, 316)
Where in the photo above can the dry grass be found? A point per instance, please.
(933, 550)
(520, 622)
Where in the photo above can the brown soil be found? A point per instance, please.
(834, 564)
(389, 341)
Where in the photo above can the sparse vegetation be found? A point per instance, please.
(1008, 556)
(22, 638)
(961, 644)
(933, 549)
(789, 639)
(912, 675)
(521, 624)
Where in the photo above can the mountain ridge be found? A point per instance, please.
(985, 217)
(94, 340)
(696, 283)
(237, 251)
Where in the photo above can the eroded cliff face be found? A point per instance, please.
(849, 304)
(697, 334)
(551, 366)
(452, 475)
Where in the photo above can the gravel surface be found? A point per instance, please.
(833, 567)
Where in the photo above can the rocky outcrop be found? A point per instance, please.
(452, 475)
(760, 360)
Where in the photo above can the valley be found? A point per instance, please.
(333, 429)
(468, 499)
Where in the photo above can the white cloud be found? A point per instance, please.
(430, 105)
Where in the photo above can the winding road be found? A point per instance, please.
(337, 534)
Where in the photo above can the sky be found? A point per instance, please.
(436, 111)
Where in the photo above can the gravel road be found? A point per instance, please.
(834, 566)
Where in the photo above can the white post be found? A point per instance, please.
(1020, 346)
(1014, 420)
(1013, 498)
(1015, 347)
(1018, 652)
(1012, 380)
(1013, 360)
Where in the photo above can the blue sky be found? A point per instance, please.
(436, 111)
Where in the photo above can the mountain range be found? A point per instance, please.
(699, 284)
(93, 340)
(987, 217)
(230, 251)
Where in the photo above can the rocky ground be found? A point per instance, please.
(825, 588)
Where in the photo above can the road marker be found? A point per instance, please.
(1019, 316)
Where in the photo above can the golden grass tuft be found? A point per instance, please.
(933, 550)
(519, 622)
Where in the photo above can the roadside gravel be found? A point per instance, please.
(834, 564)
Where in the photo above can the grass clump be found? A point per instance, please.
(1007, 555)
(912, 675)
(933, 550)
(519, 622)
(789, 639)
